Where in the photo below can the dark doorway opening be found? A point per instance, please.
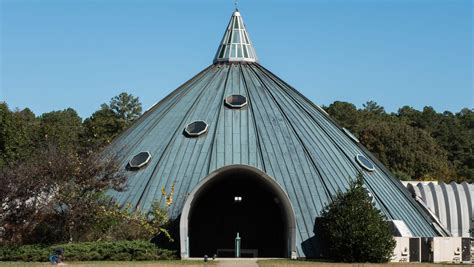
(238, 201)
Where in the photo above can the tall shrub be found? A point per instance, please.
(354, 229)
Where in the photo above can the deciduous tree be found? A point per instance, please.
(62, 128)
(55, 195)
(407, 151)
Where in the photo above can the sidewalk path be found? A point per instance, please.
(238, 263)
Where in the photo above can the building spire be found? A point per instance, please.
(236, 45)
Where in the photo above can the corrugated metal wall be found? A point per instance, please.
(452, 203)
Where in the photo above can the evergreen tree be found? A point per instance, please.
(345, 114)
(373, 107)
(125, 106)
(111, 120)
(17, 134)
(102, 127)
(354, 229)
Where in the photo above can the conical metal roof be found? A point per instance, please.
(236, 45)
(195, 130)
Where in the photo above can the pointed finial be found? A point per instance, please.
(236, 3)
(236, 45)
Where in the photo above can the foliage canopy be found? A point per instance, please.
(111, 119)
(58, 195)
(414, 145)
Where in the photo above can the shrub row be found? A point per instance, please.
(89, 251)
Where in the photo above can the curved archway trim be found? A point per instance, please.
(288, 211)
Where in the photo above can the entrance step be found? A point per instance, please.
(237, 263)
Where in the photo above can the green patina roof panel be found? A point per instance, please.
(279, 131)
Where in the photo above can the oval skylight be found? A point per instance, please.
(196, 128)
(364, 163)
(351, 136)
(236, 101)
(139, 160)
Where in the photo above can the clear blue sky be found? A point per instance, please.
(80, 53)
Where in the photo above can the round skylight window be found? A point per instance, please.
(139, 160)
(196, 128)
(364, 163)
(236, 101)
(351, 136)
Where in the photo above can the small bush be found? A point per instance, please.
(89, 251)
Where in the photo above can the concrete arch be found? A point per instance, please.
(217, 175)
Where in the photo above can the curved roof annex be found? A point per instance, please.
(452, 203)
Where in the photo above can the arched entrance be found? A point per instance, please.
(237, 199)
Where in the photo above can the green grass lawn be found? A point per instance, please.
(175, 263)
